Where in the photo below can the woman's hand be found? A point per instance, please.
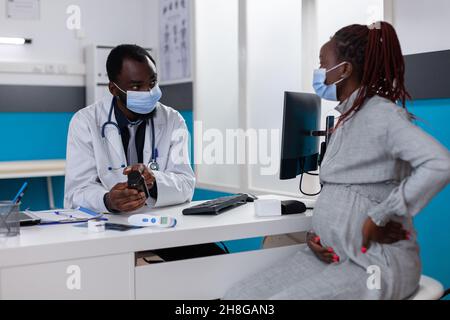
(326, 255)
(391, 233)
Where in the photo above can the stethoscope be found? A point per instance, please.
(153, 164)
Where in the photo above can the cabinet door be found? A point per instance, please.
(108, 277)
(204, 278)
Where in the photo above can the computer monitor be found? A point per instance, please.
(300, 146)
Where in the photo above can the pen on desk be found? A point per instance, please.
(63, 214)
(89, 212)
(94, 214)
(20, 194)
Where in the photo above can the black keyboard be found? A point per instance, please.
(217, 206)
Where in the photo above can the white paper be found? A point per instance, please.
(23, 9)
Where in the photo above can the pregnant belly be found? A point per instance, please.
(339, 215)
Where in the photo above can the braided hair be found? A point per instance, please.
(376, 56)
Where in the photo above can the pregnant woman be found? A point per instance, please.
(379, 171)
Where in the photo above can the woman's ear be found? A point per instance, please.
(348, 70)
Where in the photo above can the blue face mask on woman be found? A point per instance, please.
(323, 90)
(142, 102)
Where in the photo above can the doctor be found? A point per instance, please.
(130, 131)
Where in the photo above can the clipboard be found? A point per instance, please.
(66, 216)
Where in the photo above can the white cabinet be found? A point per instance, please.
(108, 277)
(204, 278)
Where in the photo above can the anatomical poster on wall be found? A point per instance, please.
(175, 41)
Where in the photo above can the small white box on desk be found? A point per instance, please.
(267, 207)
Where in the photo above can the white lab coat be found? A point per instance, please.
(88, 178)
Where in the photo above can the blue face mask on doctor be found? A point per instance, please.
(323, 90)
(142, 102)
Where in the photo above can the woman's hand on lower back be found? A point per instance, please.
(325, 254)
(391, 233)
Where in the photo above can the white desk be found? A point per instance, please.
(41, 262)
(34, 169)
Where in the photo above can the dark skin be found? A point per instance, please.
(134, 76)
(392, 232)
(329, 59)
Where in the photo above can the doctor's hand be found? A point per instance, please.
(145, 171)
(326, 255)
(123, 199)
(391, 233)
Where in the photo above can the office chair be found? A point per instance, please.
(429, 289)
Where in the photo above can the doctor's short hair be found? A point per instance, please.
(122, 52)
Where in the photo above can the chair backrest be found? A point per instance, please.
(429, 289)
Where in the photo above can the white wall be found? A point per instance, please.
(274, 52)
(216, 94)
(332, 15)
(108, 22)
(422, 25)
(150, 23)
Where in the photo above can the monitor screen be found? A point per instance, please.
(300, 149)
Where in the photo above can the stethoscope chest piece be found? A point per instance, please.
(154, 166)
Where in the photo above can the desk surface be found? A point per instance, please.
(32, 169)
(41, 244)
